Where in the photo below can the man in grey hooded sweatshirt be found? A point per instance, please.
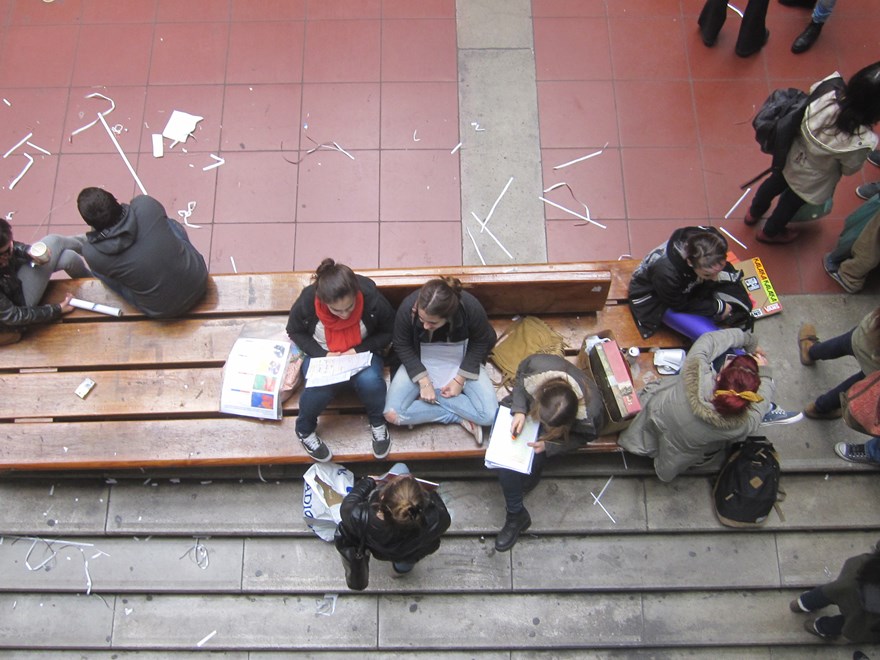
(142, 254)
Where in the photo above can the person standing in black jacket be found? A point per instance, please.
(441, 313)
(396, 519)
(342, 314)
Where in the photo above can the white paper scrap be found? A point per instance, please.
(180, 125)
(206, 638)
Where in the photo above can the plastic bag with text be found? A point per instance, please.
(324, 487)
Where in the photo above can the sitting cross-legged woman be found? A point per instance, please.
(440, 313)
(342, 314)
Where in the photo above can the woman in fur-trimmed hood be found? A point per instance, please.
(686, 419)
(567, 404)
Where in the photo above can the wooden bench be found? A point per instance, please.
(158, 382)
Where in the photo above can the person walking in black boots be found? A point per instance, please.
(753, 34)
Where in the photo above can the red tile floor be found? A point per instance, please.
(272, 78)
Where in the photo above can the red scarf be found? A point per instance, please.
(341, 334)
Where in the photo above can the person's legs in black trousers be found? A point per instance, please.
(753, 32)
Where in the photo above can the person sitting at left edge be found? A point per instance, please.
(342, 313)
(568, 405)
(140, 253)
(23, 281)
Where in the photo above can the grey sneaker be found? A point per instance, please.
(868, 190)
(315, 447)
(852, 453)
(777, 415)
(874, 157)
(381, 440)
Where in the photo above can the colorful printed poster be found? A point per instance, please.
(253, 376)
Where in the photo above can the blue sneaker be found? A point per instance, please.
(777, 415)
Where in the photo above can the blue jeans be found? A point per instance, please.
(831, 349)
(515, 484)
(369, 385)
(823, 10)
(872, 449)
(476, 403)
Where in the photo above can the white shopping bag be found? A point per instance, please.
(325, 486)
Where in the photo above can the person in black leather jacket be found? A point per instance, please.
(23, 281)
(688, 285)
(398, 518)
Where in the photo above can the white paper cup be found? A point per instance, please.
(39, 253)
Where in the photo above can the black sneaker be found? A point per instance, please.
(812, 627)
(381, 440)
(852, 453)
(315, 447)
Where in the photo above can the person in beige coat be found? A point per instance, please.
(835, 140)
(687, 419)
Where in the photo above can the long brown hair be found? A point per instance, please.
(403, 501)
(440, 297)
(555, 406)
(334, 281)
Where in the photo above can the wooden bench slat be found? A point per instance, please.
(274, 293)
(224, 441)
(207, 342)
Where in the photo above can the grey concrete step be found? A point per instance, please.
(753, 560)
(558, 506)
(428, 621)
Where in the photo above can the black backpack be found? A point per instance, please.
(779, 119)
(747, 487)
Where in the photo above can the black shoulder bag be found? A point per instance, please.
(355, 556)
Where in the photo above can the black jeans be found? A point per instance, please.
(515, 484)
(789, 203)
(752, 32)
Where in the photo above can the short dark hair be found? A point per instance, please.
(334, 281)
(5, 232)
(98, 208)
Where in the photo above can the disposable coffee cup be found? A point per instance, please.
(39, 253)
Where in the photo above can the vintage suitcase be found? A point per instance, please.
(614, 380)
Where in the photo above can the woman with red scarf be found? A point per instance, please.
(342, 314)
